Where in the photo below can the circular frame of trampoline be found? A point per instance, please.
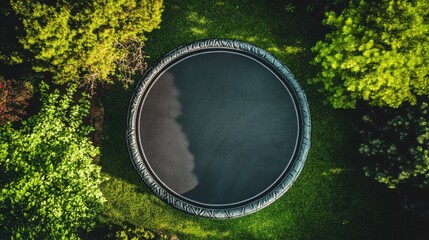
(206, 210)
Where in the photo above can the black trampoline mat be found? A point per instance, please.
(218, 127)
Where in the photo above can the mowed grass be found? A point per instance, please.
(331, 198)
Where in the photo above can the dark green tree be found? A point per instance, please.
(377, 51)
(49, 186)
(396, 144)
(95, 41)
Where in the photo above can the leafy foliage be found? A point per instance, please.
(397, 144)
(14, 98)
(377, 51)
(312, 5)
(126, 231)
(88, 41)
(49, 185)
(134, 233)
(9, 25)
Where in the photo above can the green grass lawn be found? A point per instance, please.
(331, 198)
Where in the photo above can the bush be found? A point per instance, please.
(311, 6)
(14, 98)
(94, 41)
(126, 231)
(134, 233)
(377, 52)
(49, 185)
(396, 143)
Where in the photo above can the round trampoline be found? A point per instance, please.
(218, 128)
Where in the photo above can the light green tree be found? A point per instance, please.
(49, 186)
(377, 51)
(93, 41)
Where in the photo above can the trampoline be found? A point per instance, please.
(218, 128)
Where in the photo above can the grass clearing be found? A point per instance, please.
(331, 198)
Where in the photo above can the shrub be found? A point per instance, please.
(49, 187)
(14, 98)
(94, 41)
(376, 52)
(311, 6)
(396, 143)
(126, 231)
(134, 233)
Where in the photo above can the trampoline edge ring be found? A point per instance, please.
(218, 213)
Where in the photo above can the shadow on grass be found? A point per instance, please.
(115, 159)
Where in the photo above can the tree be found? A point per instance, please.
(311, 6)
(377, 51)
(92, 41)
(14, 98)
(396, 143)
(49, 187)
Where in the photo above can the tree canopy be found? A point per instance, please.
(49, 187)
(87, 41)
(396, 143)
(377, 51)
